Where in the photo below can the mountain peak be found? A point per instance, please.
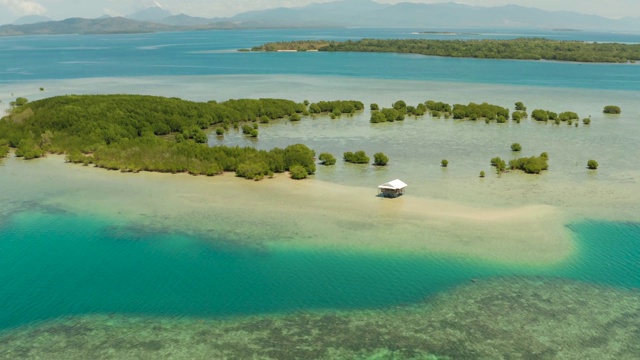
(153, 13)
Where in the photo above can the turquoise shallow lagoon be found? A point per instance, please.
(60, 264)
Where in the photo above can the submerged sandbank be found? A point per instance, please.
(283, 212)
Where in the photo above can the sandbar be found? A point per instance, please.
(284, 212)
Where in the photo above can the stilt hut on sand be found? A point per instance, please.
(392, 189)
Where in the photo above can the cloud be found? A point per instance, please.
(24, 7)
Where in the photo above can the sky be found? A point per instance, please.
(10, 10)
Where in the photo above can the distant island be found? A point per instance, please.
(452, 33)
(514, 49)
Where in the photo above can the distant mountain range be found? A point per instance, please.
(342, 13)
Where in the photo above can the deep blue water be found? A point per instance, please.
(60, 264)
(214, 53)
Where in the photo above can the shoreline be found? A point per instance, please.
(300, 214)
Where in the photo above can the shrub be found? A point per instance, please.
(400, 105)
(219, 131)
(540, 115)
(517, 116)
(247, 129)
(378, 117)
(295, 117)
(482, 174)
(327, 159)
(299, 154)
(500, 164)
(592, 164)
(254, 133)
(444, 163)
(298, 172)
(586, 121)
(568, 116)
(252, 170)
(380, 159)
(336, 112)
(374, 107)
(520, 106)
(612, 109)
(516, 147)
(438, 106)
(392, 115)
(544, 155)
(359, 157)
(530, 165)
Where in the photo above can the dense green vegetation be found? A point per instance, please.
(545, 115)
(336, 107)
(522, 48)
(327, 159)
(530, 165)
(380, 159)
(612, 109)
(482, 174)
(518, 115)
(444, 163)
(520, 106)
(133, 133)
(4, 149)
(592, 164)
(387, 115)
(359, 157)
(499, 164)
(298, 172)
(516, 147)
(474, 111)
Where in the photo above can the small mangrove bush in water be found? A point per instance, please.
(530, 165)
(327, 159)
(359, 157)
(444, 163)
(592, 164)
(380, 159)
(516, 147)
(612, 109)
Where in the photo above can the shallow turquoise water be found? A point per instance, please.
(59, 264)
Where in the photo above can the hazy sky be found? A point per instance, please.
(61, 9)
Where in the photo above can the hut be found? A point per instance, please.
(392, 188)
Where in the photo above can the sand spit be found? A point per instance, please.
(493, 319)
(283, 212)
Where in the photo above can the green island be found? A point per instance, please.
(514, 49)
(133, 133)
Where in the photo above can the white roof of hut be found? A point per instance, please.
(396, 184)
